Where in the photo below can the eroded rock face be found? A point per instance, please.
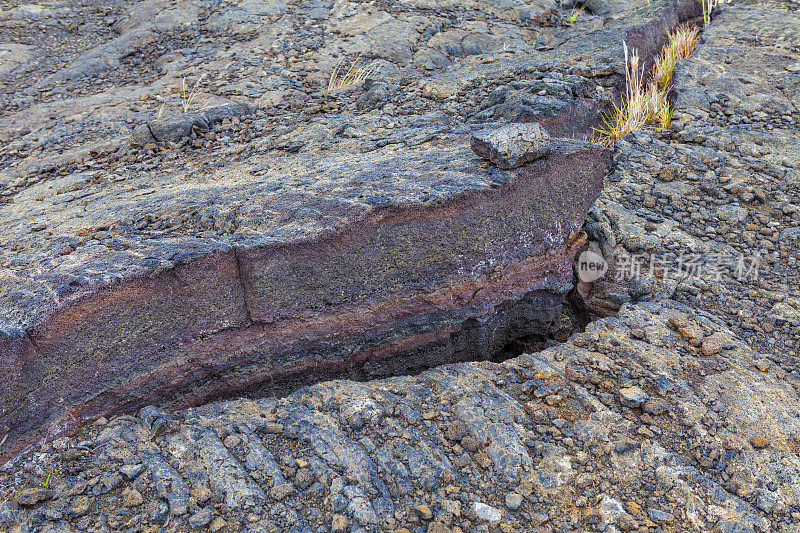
(431, 274)
(324, 231)
(473, 444)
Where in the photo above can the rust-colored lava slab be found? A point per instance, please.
(460, 260)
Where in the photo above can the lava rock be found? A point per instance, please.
(487, 513)
(513, 145)
(34, 496)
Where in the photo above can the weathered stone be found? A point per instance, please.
(280, 492)
(424, 512)
(438, 527)
(656, 406)
(633, 396)
(34, 496)
(176, 127)
(513, 501)
(513, 145)
(487, 513)
(660, 517)
(9, 512)
(762, 364)
(228, 111)
(713, 344)
(79, 506)
(132, 498)
(200, 519)
(131, 471)
(508, 238)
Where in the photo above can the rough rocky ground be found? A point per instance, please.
(140, 250)
(681, 413)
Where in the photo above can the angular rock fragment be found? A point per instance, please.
(513, 145)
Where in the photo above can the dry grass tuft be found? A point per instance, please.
(708, 7)
(641, 105)
(186, 95)
(357, 73)
(680, 46)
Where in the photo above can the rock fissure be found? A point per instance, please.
(240, 278)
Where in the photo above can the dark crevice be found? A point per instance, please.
(240, 277)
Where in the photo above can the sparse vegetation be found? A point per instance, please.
(573, 16)
(186, 95)
(708, 7)
(46, 481)
(647, 105)
(357, 73)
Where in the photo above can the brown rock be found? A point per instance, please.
(33, 496)
(656, 406)
(713, 344)
(217, 524)
(627, 522)
(131, 498)
(339, 524)
(762, 364)
(423, 511)
(79, 506)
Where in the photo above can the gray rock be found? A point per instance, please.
(177, 127)
(362, 511)
(732, 213)
(660, 517)
(200, 518)
(230, 110)
(487, 513)
(14, 56)
(141, 135)
(9, 511)
(606, 7)
(633, 396)
(513, 501)
(513, 145)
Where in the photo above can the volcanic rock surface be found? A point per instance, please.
(678, 411)
(158, 249)
(424, 257)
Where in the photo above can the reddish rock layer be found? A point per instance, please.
(400, 289)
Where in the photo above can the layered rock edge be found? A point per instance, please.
(404, 288)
